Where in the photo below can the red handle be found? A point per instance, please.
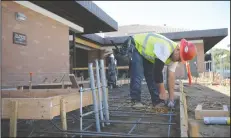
(189, 73)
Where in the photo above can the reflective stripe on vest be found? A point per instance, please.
(144, 46)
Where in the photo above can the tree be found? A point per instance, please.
(216, 55)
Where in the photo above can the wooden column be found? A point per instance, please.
(193, 129)
(63, 115)
(13, 119)
(74, 53)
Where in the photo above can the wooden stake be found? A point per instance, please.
(13, 119)
(193, 129)
(62, 84)
(63, 115)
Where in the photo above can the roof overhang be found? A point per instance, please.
(83, 13)
(210, 37)
(74, 27)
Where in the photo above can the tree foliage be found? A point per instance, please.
(217, 60)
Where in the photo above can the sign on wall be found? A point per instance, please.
(20, 39)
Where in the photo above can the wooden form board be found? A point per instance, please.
(183, 119)
(42, 104)
(200, 113)
(183, 113)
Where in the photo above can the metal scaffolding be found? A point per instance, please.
(107, 107)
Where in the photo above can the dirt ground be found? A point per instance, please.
(141, 129)
(212, 97)
(118, 100)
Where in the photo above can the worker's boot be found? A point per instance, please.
(137, 104)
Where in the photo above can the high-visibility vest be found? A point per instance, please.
(145, 44)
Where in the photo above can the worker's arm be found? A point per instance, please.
(171, 84)
(158, 77)
(171, 79)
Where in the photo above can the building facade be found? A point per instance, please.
(39, 38)
(37, 41)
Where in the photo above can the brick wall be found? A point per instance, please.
(200, 57)
(46, 53)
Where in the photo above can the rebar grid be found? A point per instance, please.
(100, 114)
(139, 113)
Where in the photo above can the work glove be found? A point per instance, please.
(171, 103)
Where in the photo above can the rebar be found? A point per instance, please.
(101, 110)
(99, 91)
(134, 122)
(133, 116)
(88, 113)
(90, 134)
(169, 126)
(139, 113)
(103, 80)
(92, 80)
(134, 126)
(86, 128)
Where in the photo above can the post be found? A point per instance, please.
(74, 54)
(99, 91)
(92, 83)
(63, 115)
(30, 82)
(221, 70)
(213, 63)
(104, 85)
(209, 66)
(193, 129)
(81, 110)
(13, 119)
(63, 84)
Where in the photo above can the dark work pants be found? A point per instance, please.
(140, 68)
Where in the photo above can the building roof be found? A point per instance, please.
(83, 13)
(127, 30)
(210, 37)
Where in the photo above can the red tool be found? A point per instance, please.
(189, 73)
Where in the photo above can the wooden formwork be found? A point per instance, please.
(41, 104)
(183, 113)
(188, 128)
(183, 110)
(200, 113)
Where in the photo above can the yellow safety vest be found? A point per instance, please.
(144, 43)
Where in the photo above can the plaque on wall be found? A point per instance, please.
(19, 39)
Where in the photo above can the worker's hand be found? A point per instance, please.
(171, 103)
(171, 97)
(163, 95)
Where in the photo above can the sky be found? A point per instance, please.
(194, 15)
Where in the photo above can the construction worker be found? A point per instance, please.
(112, 71)
(151, 52)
